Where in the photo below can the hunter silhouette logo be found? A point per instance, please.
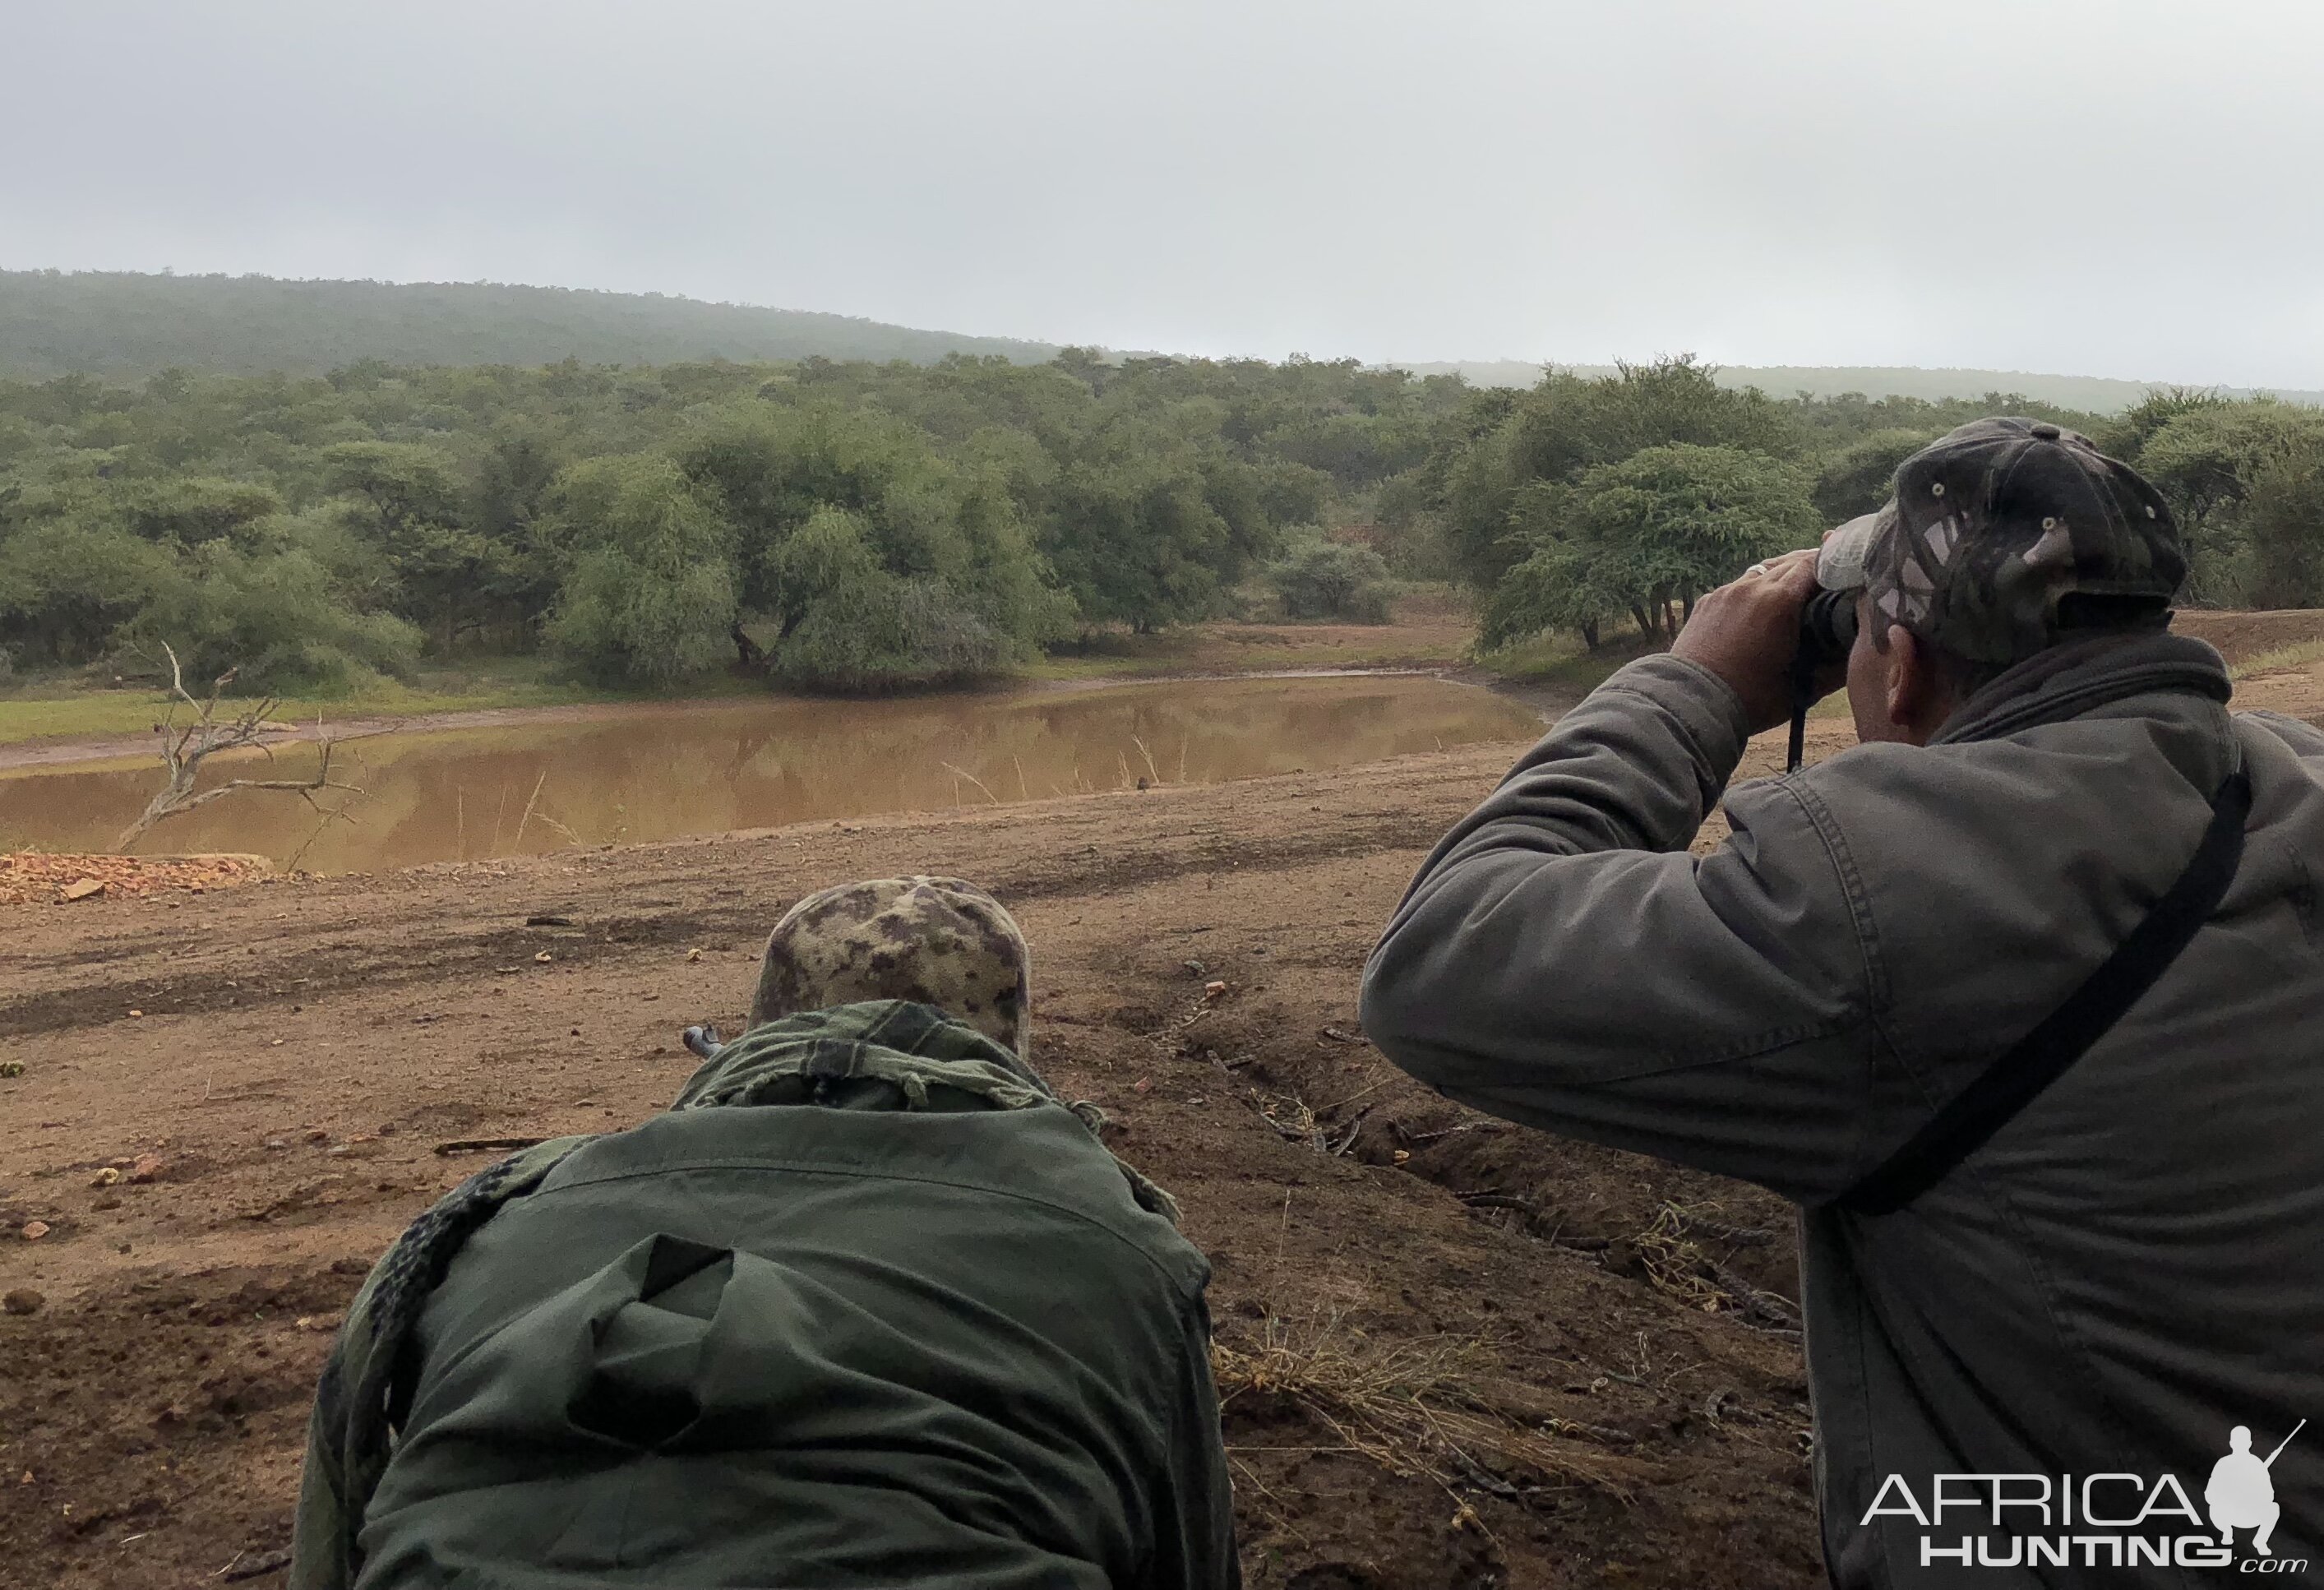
(2108, 1520)
(2241, 1493)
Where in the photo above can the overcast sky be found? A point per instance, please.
(2130, 187)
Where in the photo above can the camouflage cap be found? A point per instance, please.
(936, 941)
(1995, 527)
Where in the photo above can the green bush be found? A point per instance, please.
(276, 618)
(1329, 580)
(874, 631)
(649, 594)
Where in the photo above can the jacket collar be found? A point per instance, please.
(2070, 681)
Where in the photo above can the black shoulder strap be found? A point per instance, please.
(2040, 1056)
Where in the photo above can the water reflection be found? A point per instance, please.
(476, 793)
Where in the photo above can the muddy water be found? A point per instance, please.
(473, 794)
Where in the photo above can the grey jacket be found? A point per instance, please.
(2127, 1270)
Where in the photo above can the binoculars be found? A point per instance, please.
(1827, 630)
(1826, 634)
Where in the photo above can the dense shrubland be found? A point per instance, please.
(862, 526)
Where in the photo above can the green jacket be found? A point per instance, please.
(868, 1307)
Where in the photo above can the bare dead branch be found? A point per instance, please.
(184, 749)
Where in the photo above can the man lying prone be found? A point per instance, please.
(867, 1305)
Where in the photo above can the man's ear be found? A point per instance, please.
(1917, 702)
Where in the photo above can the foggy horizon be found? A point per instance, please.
(2081, 189)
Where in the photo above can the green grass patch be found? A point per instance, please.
(1563, 660)
(66, 708)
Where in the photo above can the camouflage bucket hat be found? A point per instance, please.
(2006, 536)
(936, 941)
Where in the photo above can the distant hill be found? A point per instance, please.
(125, 325)
(120, 325)
(2090, 393)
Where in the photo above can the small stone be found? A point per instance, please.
(320, 1322)
(276, 1143)
(694, 955)
(106, 1178)
(1213, 989)
(134, 1013)
(543, 958)
(23, 1300)
(85, 889)
(1197, 968)
(1402, 1155)
(35, 1230)
(148, 1168)
(317, 1134)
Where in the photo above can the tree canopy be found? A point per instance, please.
(836, 525)
(858, 526)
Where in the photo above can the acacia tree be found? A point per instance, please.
(649, 593)
(1569, 425)
(880, 563)
(1857, 479)
(2209, 460)
(442, 570)
(1647, 536)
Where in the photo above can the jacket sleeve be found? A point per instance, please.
(1562, 961)
(1193, 1523)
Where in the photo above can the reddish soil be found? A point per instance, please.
(40, 878)
(304, 1046)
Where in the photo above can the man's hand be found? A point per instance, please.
(1747, 631)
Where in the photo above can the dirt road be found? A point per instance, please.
(231, 1102)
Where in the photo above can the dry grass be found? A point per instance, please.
(1414, 1406)
(1677, 1266)
(2281, 657)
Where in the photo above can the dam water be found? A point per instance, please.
(636, 774)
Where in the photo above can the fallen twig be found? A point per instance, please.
(474, 1145)
(1415, 1139)
(1354, 1126)
(264, 1563)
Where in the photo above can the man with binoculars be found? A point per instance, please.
(2020, 1000)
